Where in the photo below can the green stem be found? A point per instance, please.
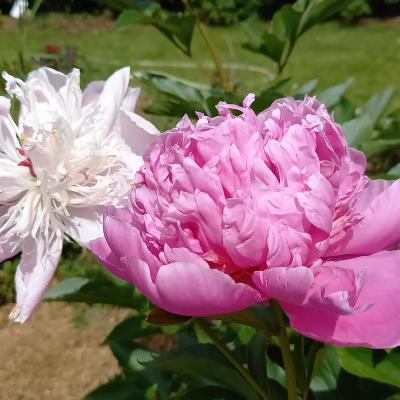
(286, 352)
(223, 78)
(21, 39)
(228, 354)
(282, 64)
(312, 353)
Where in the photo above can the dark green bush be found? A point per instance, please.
(226, 12)
(357, 9)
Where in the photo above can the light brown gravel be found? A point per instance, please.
(50, 357)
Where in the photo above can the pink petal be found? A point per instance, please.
(109, 260)
(194, 289)
(290, 285)
(377, 326)
(335, 288)
(190, 288)
(379, 228)
(124, 240)
(245, 232)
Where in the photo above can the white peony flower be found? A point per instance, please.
(71, 154)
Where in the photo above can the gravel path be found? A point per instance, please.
(52, 358)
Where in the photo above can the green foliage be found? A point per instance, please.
(186, 369)
(373, 364)
(179, 96)
(356, 9)
(119, 388)
(332, 96)
(176, 27)
(326, 372)
(158, 316)
(288, 24)
(203, 360)
(7, 272)
(225, 12)
(256, 361)
(81, 290)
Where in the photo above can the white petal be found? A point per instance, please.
(92, 93)
(131, 98)
(112, 96)
(8, 248)
(85, 224)
(137, 132)
(14, 180)
(94, 89)
(38, 263)
(8, 132)
(53, 77)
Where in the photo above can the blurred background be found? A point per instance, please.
(186, 56)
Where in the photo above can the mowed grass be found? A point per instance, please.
(368, 52)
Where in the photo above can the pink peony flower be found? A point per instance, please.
(242, 208)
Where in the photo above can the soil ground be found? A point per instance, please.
(57, 354)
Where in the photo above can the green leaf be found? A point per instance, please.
(118, 388)
(306, 89)
(361, 362)
(131, 328)
(300, 362)
(394, 397)
(326, 371)
(82, 290)
(158, 316)
(180, 90)
(317, 11)
(377, 104)
(395, 170)
(121, 5)
(123, 341)
(270, 47)
(276, 391)
(204, 361)
(256, 352)
(244, 332)
(173, 108)
(332, 95)
(285, 23)
(261, 41)
(174, 86)
(344, 110)
(209, 393)
(374, 147)
(265, 99)
(247, 317)
(131, 17)
(178, 29)
(358, 130)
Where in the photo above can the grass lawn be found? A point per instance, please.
(369, 52)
